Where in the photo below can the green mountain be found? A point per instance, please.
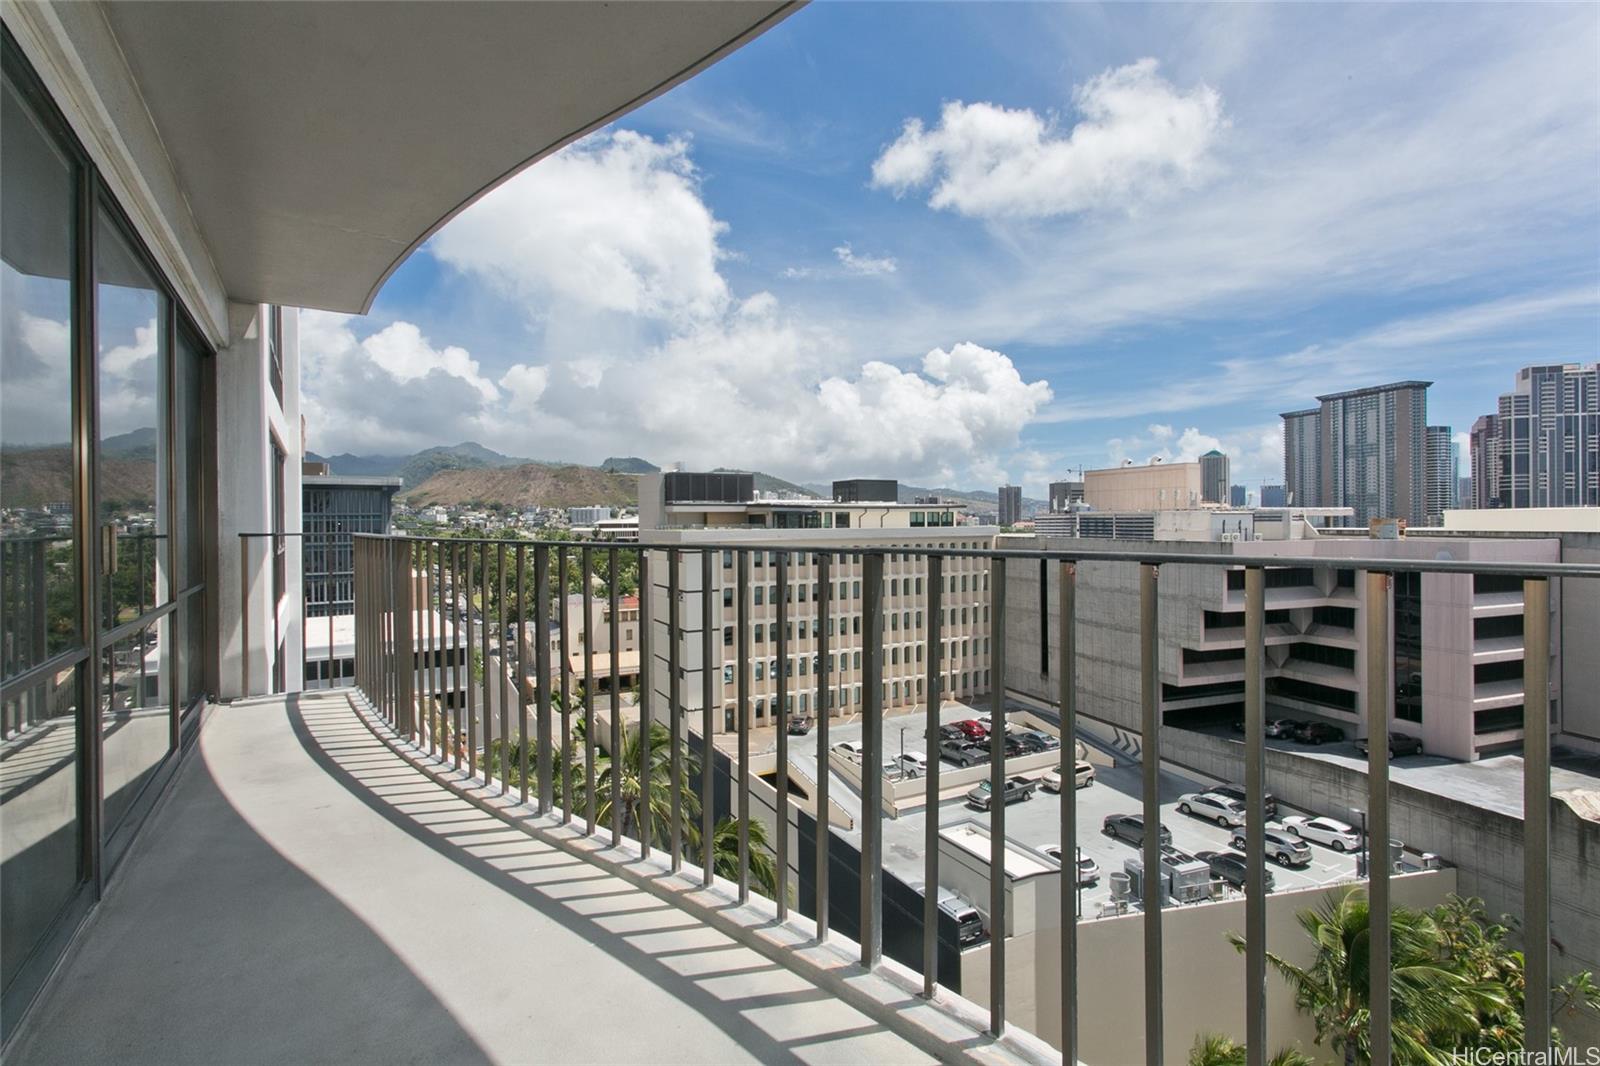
(630, 464)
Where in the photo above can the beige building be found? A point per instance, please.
(1156, 486)
(837, 530)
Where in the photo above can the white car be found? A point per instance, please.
(850, 749)
(914, 763)
(1220, 809)
(1330, 831)
(1052, 777)
(1088, 869)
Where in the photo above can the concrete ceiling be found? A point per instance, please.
(318, 144)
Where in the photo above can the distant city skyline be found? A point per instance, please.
(800, 261)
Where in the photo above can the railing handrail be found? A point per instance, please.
(1143, 558)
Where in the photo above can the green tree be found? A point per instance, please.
(1214, 1049)
(763, 863)
(654, 791)
(1433, 1007)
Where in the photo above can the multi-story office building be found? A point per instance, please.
(334, 507)
(1237, 496)
(1214, 477)
(1542, 448)
(678, 520)
(1063, 494)
(1302, 457)
(1010, 504)
(1276, 496)
(1485, 462)
(1363, 449)
(1192, 524)
(587, 516)
(1443, 461)
(1156, 486)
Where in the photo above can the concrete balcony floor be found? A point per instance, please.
(304, 895)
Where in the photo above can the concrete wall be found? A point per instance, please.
(1580, 618)
(1203, 979)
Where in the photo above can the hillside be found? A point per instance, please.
(528, 485)
(628, 464)
(413, 470)
(39, 476)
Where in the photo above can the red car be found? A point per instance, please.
(972, 729)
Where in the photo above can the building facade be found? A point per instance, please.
(837, 687)
(1010, 504)
(1214, 477)
(1156, 486)
(1063, 494)
(1302, 457)
(1374, 451)
(335, 507)
(1542, 447)
(1443, 460)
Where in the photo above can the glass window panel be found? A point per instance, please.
(38, 481)
(38, 813)
(135, 714)
(189, 469)
(191, 676)
(131, 351)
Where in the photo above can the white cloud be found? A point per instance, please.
(1138, 139)
(864, 265)
(526, 384)
(405, 353)
(1255, 453)
(613, 224)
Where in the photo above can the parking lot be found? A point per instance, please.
(1037, 821)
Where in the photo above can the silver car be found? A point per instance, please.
(1225, 812)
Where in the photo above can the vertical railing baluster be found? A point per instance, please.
(1379, 693)
(458, 649)
(872, 638)
(1255, 877)
(1150, 754)
(646, 704)
(521, 687)
(563, 666)
(541, 666)
(997, 797)
(502, 672)
(930, 806)
(707, 706)
(781, 821)
(425, 657)
(824, 672)
(674, 715)
(590, 800)
(1536, 816)
(466, 651)
(483, 651)
(390, 689)
(614, 601)
(742, 721)
(1067, 702)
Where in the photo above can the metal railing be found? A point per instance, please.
(415, 596)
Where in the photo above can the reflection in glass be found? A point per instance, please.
(131, 348)
(39, 829)
(38, 566)
(135, 714)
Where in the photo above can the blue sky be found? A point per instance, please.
(964, 244)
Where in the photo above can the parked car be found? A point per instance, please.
(1088, 869)
(1318, 733)
(952, 732)
(1399, 744)
(914, 763)
(963, 753)
(1330, 831)
(1130, 827)
(969, 924)
(799, 727)
(1225, 812)
(1230, 867)
(850, 749)
(1017, 789)
(1236, 792)
(971, 729)
(1281, 728)
(1084, 774)
(1283, 848)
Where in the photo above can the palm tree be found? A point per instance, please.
(725, 855)
(1432, 1007)
(1214, 1049)
(658, 790)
